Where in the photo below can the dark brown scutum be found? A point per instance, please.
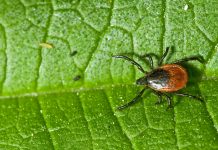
(158, 79)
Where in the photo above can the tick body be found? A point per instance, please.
(164, 79)
(168, 78)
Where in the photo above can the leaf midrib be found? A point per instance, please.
(81, 89)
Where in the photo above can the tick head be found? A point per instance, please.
(142, 81)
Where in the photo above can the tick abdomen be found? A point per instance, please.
(168, 78)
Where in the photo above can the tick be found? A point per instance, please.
(164, 79)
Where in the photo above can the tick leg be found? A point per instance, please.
(159, 95)
(169, 101)
(193, 58)
(151, 62)
(133, 101)
(131, 61)
(191, 96)
(164, 56)
(159, 100)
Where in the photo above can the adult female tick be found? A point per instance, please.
(167, 78)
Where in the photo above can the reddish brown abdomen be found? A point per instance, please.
(178, 77)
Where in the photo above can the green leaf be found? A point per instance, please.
(43, 107)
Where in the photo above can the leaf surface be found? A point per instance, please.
(42, 106)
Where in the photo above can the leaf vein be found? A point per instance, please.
(175, 132)
(199, 28)
(89, 129)
(6, 58)
(118, 121)
(211, 117)
(40, 49)
(101, 35)
(164, 21)
(44, 121)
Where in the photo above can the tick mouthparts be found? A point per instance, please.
(142, 81)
